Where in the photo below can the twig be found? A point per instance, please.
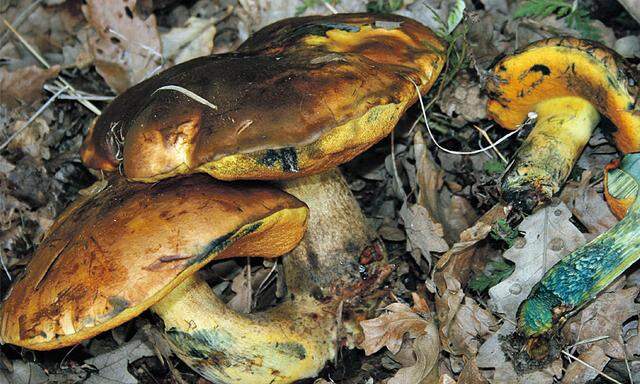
(19, 20)
(44, 62)
(590, 366)
(396, 176)
(4, 267)
(32, 118)
(83, 95)
(587, 341)
(486, 137)
(330, 7)
(249, 286)
(264, 281)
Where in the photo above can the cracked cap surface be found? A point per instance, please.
(111, 256)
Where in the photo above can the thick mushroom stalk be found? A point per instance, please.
(295, 339)
(581, 275)
(544, 161)
(569, 83)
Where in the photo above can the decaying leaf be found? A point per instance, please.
(549, 235)
(24, 86)
(490, 356)
(423, 233)
(31, 140)
(457, 262)
(112, 366)
(24, 373)
(400, 328)
(388, 329)
(193, 40)
(126, 48)
(605, 317)
(588, 205)
(463, 323)
(578, 373)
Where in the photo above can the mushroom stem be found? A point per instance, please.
(545, 159)
(284, 344)
(581, 275)
(295, 339)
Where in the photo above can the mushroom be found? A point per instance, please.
(111, 256)
(581, 275)
(568, 83)
(299, 98)
(620, 186)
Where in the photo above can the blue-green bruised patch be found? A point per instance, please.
(199, 345)
(291, 349)
(222, 242)
(287, 157)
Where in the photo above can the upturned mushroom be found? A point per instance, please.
(581, 275)
(299, 98)
(569, 83)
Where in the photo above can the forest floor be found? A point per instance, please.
(458, 251)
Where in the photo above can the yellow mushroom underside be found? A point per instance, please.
(567, 67)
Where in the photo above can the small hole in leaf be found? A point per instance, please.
(129, 12)
(115, 40)
(100, 51)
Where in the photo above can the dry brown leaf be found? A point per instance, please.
(423, 233)
(549, 236)
(604, 317)
(457, 262)
(471, 373)
(578, 373)
(243, 301)
(588, 205)
(469, 327)
(388, 329)
(31, 140)
(426, 348)
(193, 40)
(24, 86)
(126, 49)
(455, 213)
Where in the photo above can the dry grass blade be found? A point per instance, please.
(44, 62)
(570, 356)
(33, 117)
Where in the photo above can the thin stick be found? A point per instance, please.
(6, 270)
(330, 7)
(19, 20)
(83, 95)
(590, 366)
(587, 341)
(486, 137)
(32, 118)
(249, 286)
(44, 62)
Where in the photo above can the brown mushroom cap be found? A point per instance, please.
(300, 97)
(559, 67)
(111, 256)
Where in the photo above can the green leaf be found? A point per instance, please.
(494, 167)
(502, 231)
(456, 13)
(500, 270)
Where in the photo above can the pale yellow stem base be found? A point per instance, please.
(544, 161)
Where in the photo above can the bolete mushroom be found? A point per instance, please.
(620, 186)
(581, 275)
(299, 98)
(568, 83)
(136, 246)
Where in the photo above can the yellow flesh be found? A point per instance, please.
(563, 127)
(248, 348)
